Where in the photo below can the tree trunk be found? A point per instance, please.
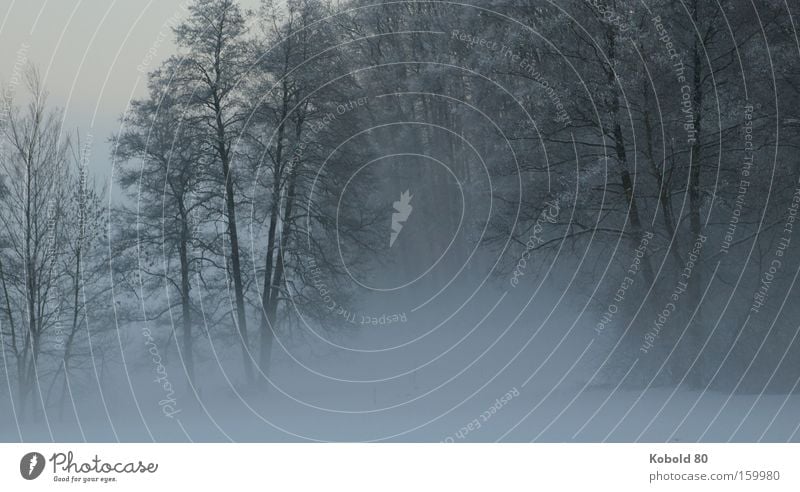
(267, 331)
(274, 298)
(188, 351)
(267, 319)
(622, 162)
(696, 334)
(236, 269)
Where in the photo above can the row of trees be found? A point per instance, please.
(676, 120)
(232, 226)
(51, 263)
(225, 139)
(221, 160)
(688, 110)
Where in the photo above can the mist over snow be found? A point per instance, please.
(399, 221)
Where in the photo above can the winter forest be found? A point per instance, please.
(369, 220)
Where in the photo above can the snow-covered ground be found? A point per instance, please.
(476, 378)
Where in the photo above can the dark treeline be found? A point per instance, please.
(650, 153)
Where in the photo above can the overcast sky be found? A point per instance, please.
(89, 53)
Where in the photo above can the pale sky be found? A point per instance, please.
(88, 52)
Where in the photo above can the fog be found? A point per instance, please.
(402, 221)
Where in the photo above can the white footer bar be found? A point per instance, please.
(399, 467)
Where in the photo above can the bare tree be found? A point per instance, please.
(35, 175)
(162, 169)
(215, 66)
